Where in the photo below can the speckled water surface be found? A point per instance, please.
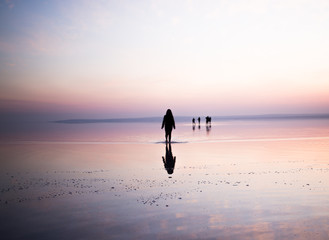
(230, 180)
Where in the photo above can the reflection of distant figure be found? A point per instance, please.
(199, 119)
(208, 128)
(169, 161)
(168, 123)
(193, 127)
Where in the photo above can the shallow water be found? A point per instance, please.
(233, 180)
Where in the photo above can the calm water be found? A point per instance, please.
(233, 180)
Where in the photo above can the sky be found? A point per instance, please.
(108, 59)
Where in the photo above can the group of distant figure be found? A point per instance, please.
(208, 120)
(208, 123)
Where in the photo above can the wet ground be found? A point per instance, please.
(229, 186)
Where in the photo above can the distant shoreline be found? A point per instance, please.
(188, 118)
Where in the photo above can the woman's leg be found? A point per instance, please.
(168, 134)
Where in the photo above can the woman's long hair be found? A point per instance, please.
(169, 115)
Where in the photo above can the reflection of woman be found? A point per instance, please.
(169, 161)
(169, 123)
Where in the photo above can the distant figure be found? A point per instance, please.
(169, 161)
(208, 120)
(193, 121)
(199, 120)
(169, 123)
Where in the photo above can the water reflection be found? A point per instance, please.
(208, 129)
(169, 161)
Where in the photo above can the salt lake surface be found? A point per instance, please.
(234, 180)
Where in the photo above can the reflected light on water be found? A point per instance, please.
(207, 187)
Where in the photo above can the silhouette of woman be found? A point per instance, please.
(168, 123)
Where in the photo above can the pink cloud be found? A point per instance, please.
(7, 47)
(10, 64)
(10, 4)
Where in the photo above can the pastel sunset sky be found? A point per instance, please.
(107, 59)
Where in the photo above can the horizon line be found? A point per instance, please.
(185, 118)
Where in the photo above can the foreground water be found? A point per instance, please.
(233, 180)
